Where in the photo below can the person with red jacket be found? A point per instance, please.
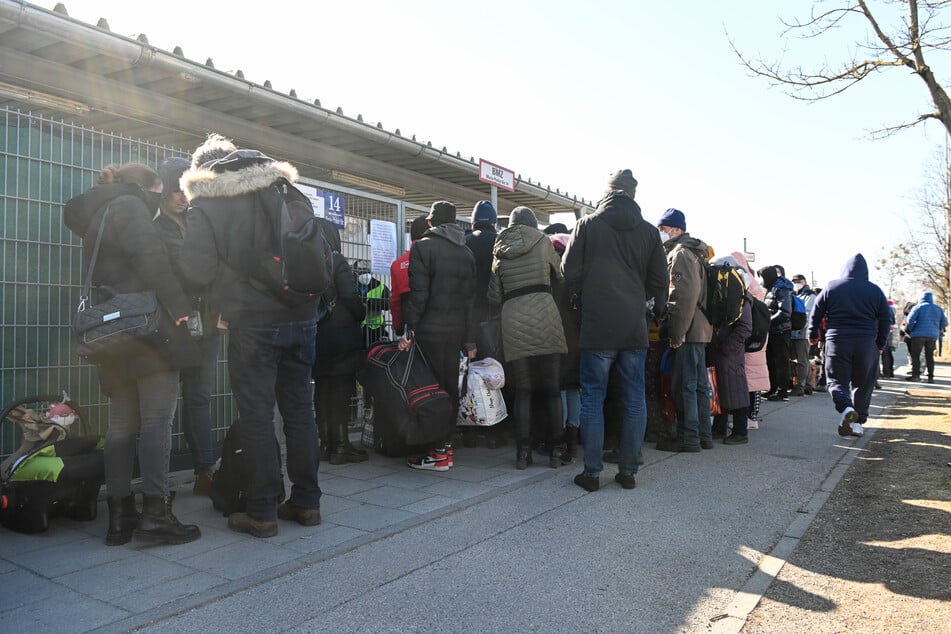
(399, 275)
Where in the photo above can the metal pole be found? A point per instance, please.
(494, 198)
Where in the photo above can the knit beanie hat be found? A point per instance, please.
(623, 180)
(483, 211)
(418, 227)
(673, 218)
(523, 216)
(441, 212)
(170, 171)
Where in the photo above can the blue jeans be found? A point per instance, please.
(197, 385)
(267, 364)
(595, 370)
(571, 406)
(688, 382)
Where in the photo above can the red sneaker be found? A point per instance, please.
(435, 460)
(450, 454)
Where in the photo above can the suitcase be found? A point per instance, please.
(56, 471)
(410, 410)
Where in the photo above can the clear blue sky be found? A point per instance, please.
(566, 92)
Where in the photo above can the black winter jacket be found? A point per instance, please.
(442, 281)
(481, 242)
(132, 258)
(615, 261)
(339, 338)
(234, 210)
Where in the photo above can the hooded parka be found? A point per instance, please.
(522, 270)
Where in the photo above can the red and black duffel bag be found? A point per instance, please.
(410, 409)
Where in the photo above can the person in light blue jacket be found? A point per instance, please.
(926, 322)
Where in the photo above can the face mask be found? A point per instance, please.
(153, 200)
(798, 287)
(364, 279)
(664, 236)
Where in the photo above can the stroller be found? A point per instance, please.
(55, 471)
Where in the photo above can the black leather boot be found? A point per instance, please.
(343, 451)
(158, 524)
(523, 454)
(323, 438)
(123, 518)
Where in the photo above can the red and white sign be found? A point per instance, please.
(750, 256)
(496, 175)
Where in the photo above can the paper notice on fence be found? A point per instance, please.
(382, 246)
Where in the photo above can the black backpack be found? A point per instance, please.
(761, 319)
(298, 265)
(725, 295)
(229, 487)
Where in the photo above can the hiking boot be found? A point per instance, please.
(778, 396)
(807, 391)
(158, 524)
(849, 416)
(856, 429)
(435, 460)
(797, 391)
(588, 483)
(706, 444)
(123, 518)
(734, 439)
(450, 454)
(931, 380)
(913, 377)
(626, 480)
(203, 480)
(299, 514)
(244, 523)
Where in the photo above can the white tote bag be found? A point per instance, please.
(480, 386)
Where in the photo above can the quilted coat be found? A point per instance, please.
(531, 323)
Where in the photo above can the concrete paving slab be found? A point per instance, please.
(369, 517)
(457, 489)
(324, 538)
(390, 497)
(70, 611)
(116, 578)
(63, 559)
(23, 587)
(344, 486)
(167, 593)
(240, 559)
(430, 504)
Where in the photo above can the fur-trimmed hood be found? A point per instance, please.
(241, 172)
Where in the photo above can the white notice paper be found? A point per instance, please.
(382, 246)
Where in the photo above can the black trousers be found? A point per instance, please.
(442, 355)
(777, 361)
(917, 345)
(537, 376)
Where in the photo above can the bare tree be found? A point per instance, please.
(928, 258)
(895, 38)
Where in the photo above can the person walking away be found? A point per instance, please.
(142, 380)
(614, 265)
(925, 324)
(728, 354)
(779, 301)
(757, 371)
(338, 357)
(799, 340)
(856, 329)
(437, 315)
(688, 331)
(237, 198)
(198, 380)
(532, 333)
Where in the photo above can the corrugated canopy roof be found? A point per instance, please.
(66, 68)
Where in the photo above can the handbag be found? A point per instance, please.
(106, 329)
(489, 338)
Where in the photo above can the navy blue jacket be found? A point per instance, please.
(853, 307)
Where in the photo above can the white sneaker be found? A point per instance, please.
(849, 417)
(752, 424)
(857, 429)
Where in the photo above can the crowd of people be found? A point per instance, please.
(604, 333)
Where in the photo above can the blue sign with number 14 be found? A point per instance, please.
(333, 209)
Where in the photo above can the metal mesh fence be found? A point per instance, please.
(43, 163)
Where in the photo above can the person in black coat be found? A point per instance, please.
(442, 280)
(142, 380)
(339, 354)
(197, 380)
(727, 353)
